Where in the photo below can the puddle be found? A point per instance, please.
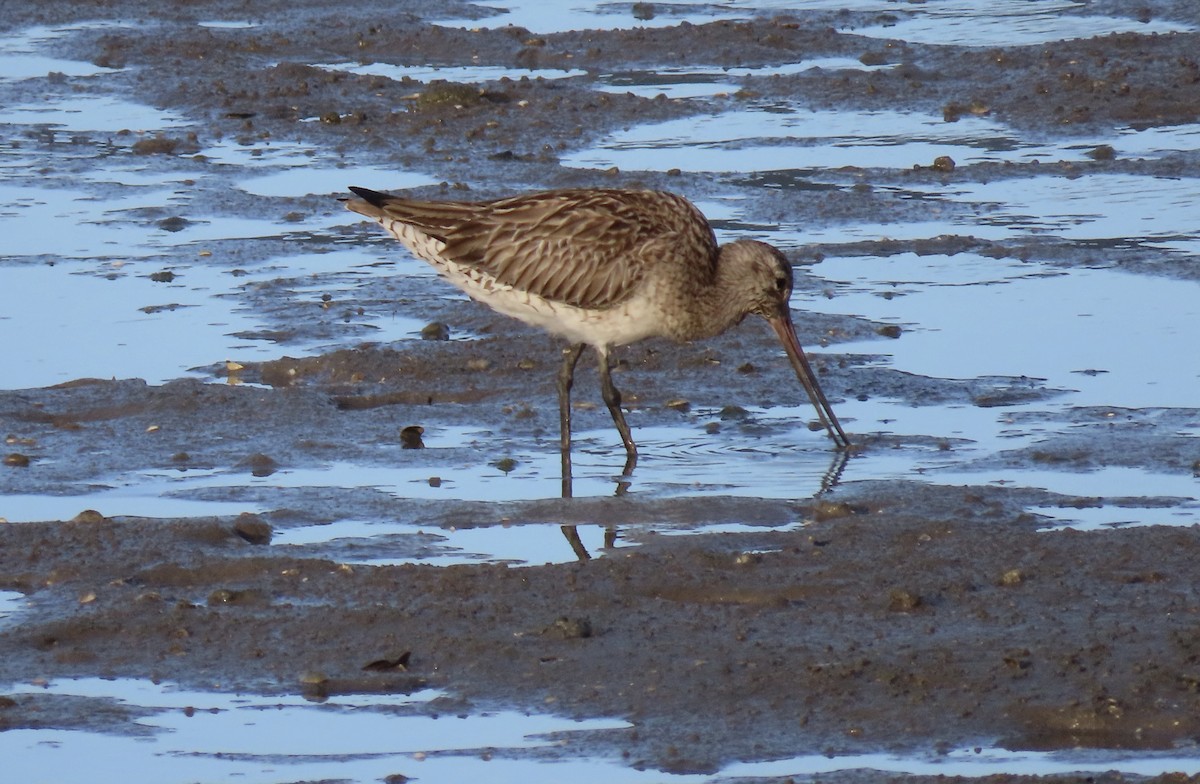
(468, 74)
(11, 603)
(136, 327)
(361, 738)
(1110, 481)
(23, 53)
(772, 137)
(325, 180)
(1132, 328)
(689, 82)
(369, 542)
(1100, 517)
(197, 735)
(216, 24)
(950, 22)
(527, 543)
(1009, 23)
(707, 82)
(1125, 208)
(136, 500)
(97, 113)
(540, 17)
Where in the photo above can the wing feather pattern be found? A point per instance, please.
(588, 248)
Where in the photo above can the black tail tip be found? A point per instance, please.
(374, 198)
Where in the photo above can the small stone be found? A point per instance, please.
(253, 528)
(410, 437)
(90, 516)
(166, 276)
(679, 404)
(889, 331)
(16, 460)
(900, 600)
(944, 163)
(259, 464)
(1012, 577)
(831, 510)
(158, 145)
(222, 596)
(569, 628)
(505, 464)
(172, 224)
(435, 330)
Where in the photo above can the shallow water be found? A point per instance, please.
(187, 735)
(960, 22)
(1109, 347)
(1109, 337)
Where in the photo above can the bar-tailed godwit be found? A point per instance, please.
(602, 268)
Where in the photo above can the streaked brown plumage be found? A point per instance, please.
(603, 268)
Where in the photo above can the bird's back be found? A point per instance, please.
(587, 248)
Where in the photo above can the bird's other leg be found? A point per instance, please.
(577, 546)
(566, 378)
(612, 399)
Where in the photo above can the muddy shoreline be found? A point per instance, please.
(880, 616)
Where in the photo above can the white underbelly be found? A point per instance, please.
(624, 323)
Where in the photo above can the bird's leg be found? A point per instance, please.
(612, 399)
(572, 534)
(566, 378)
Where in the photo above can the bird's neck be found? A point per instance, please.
(718, 305)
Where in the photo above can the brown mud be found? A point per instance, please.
(902, 617)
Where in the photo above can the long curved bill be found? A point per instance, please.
(782, 324)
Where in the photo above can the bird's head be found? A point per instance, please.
(762, 275)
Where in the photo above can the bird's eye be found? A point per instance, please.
(781, 285)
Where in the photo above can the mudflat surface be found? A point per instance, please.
(901, 616)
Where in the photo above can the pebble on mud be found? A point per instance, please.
(410, 437)
(16, 460)
(679, 404)
(569, 628)
(253, 528)
(889, 331)
(435, 330)
(1012, 577)
(158, 145)
(831, 510)
(88, 516)
(900, 600)
(944, 163)
(259, 464)
(388, 664)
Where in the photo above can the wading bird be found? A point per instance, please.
(602, 268)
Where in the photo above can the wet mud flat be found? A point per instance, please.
(869, 616)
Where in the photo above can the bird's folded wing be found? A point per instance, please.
(590, 249)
